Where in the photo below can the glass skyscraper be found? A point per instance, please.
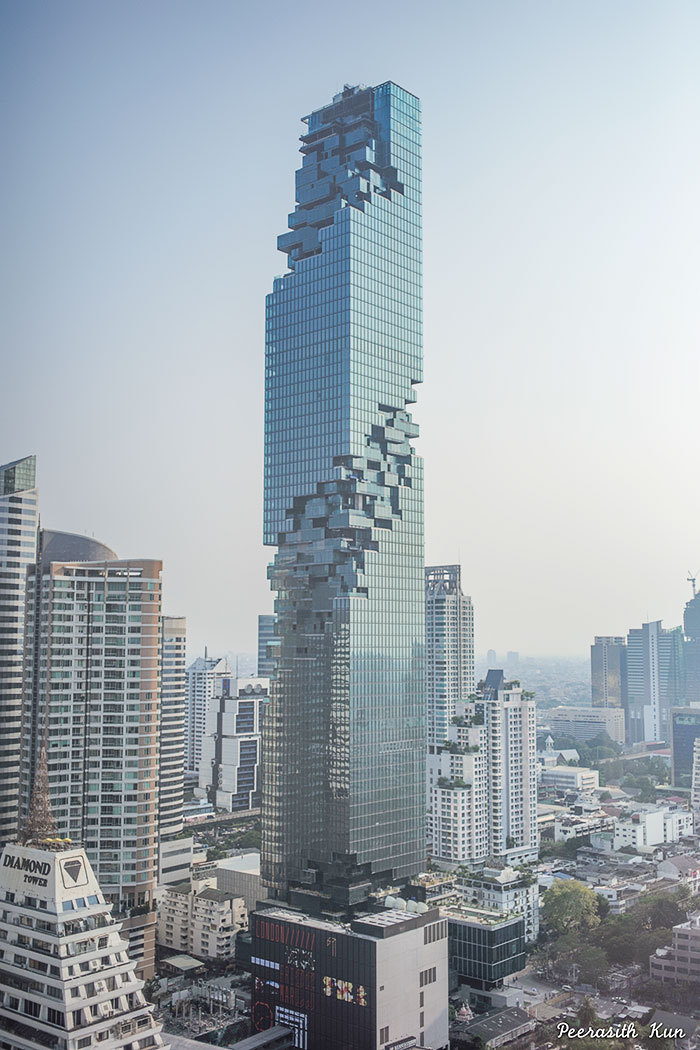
(344, 735)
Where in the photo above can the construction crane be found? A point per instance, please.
(691, 580)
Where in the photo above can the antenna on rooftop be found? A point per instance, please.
(691, 580)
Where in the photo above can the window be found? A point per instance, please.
(384, 1035)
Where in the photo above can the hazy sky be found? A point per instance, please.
(149, 152)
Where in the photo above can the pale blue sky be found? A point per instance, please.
(149, 152)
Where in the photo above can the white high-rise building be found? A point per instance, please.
(19, 523)
(204, 678)
(509, 718)
(229, 771)
(92, 674)
(483, 780)
(449, 648)
(695, 786)
(174, 852)
(66, 980)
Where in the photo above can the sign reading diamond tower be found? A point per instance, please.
(344, 735)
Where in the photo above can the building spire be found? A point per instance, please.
(40, 822)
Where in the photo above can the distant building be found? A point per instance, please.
(379, 980)
(691, 630)
(695, 786)
(609, 671)
(458, 785)
(655, 680)
(491, 659)
(679, 963)
(88, 995)
(204, 677)
(266, 638)
(449, 648)
(585, 723)
(685, 730)
(229, 769)
(569, 778)
(19, 525)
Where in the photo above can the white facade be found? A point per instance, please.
(66, 980)
(570, 778)
(483, 782)
(509, 718)
(584, 723)
(229, 770)
(651, 827)
(204, 678)
(449, 652)
(695, 786)
(201, 920)
(171, 752)
(19, 524)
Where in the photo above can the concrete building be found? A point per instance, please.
(266, 645)
(66, 981)
(198, 919)
(569, 778)
(240, 877)
(174, 852)
(458, 813)
(497, 1029)
(377, 981)
(204, 676)
(683, 869)
(19, 526)
(585, 723)
(505, 891)
(695, 786)
(679, 963)
(655, 680)
(92, 675)
(685, 730)
(650, 826)
(482, 781)
(609, 672)
(229, 769)
(509, 720)
(449, 648)
(691, 630)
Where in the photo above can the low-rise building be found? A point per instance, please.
(684, 869)
(680, 961)
(484, 946)
(200, 920)
(569, 778)
(651, 826)
(492, 1030)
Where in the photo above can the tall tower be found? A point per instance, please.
(92, 671)
(655, 680)
(174, 857)
(344, 735)
(449, 648)
(609, 671)
(19, 523)
(691, 628)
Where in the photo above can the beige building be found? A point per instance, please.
(570, 778)
(680, 962)
(200, 920)
(94, 692)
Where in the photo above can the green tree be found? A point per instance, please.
(569, 905)
(586, 1013)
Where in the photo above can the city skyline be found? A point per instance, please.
(580, 319)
